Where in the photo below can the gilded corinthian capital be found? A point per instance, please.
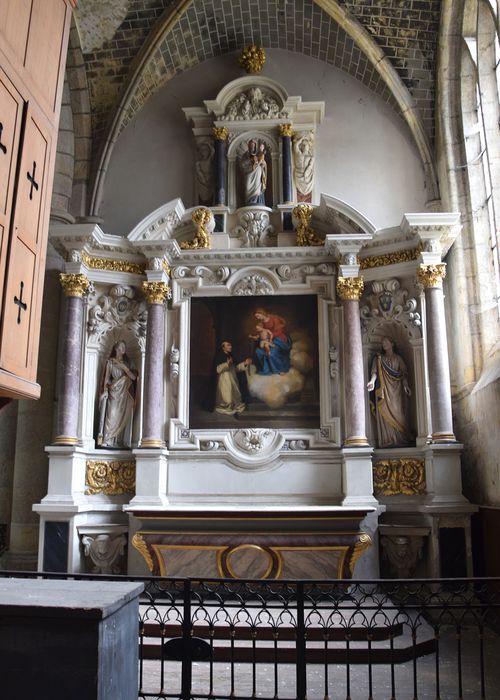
(350, 288)
(431, 276)
(285, 130)
(74, 285)
(220, 133)
(155, 292)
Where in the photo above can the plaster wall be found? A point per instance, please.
(365, 154)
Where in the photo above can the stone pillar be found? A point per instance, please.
(431, 278)
(349, 290)
(155, 294)
(286, 132)
(220, 135)
(75, 286)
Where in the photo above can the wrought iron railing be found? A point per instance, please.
(345, 640)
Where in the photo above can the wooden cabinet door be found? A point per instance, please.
(14, 26)
(11, 114)
(24, 279)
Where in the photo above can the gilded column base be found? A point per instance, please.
(152, 442)
(443, 437)
(356, 442)
(65, 440)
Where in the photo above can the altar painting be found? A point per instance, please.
(254, 361)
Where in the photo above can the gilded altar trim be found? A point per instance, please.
(65, 440)
(392, 477)
(141, 546)
(399, 256)
(286, 130)
(112, 265)
(350, 288)
(74, 285)
(156, 292)
(431, 276)
(363, 543)
(201, 216)
(252, 58)
(220, 133)
(305, 234)
(109, 477)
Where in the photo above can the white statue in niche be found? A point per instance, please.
(389, 382)
(303, 162)
(117, 399)
(254, 172)
(204, 169)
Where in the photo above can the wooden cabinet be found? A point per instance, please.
(33, 45)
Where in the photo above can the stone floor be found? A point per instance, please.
(337, 689)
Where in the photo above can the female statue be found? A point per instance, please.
(254, 171)
(389, 380)
(116, 402)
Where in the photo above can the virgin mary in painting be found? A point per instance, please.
(273, 354)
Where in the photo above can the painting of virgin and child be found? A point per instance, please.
(254, 360)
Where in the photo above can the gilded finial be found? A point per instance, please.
(305, 234)
(201, 217)
(252, 58)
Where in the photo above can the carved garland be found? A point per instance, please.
(392, 477)
(111, 478)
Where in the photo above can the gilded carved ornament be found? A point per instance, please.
(392, 477)
(74, 285)
(139, 543)
(220, 133)
(399, 256)
(363, 543)
(252, 58)
(156, 292)
(431, 276)
(112, 265)
(305, 234)
(201, 217)
(286, 130)
(350, 288)
(109, 477)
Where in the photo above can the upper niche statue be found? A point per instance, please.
(254, 172)
(253, 104)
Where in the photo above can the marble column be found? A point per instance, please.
(286, 132)
(431, 278)
(75, 287)
(349, 290)
(155, 294)
(220, 135)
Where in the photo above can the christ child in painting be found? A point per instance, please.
(265, 338)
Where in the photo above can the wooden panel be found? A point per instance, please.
(11, 109)
(45, 44)
(14, 25)
(18, 310)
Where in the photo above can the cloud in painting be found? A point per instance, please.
(276, 389)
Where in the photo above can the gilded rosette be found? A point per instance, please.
(431, 276)
(156, 292)
(350, 288)
(252, 59)
(220, 133)
(74, 285)
(393, 477)
(111, 478)
(286, 130)
(112, 265)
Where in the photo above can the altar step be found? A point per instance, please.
(391, 643)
